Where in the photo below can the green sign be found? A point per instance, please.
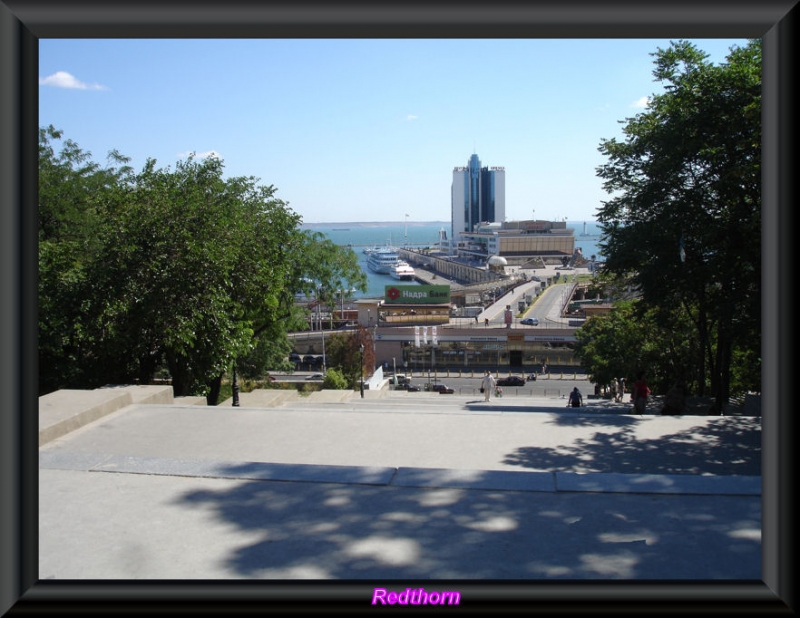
(417, 294)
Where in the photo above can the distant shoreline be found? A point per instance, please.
(318, 224)
(375, 224)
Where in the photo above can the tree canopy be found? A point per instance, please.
(683, 225)
(179, 267)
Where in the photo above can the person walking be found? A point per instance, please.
(640, 393)
(620, 390)
(488, 384)
(575, 398)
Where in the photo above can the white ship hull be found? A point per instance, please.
(402, 271)
(383, 260)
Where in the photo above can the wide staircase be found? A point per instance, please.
(66, 410)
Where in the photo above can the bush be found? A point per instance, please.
(334, 380)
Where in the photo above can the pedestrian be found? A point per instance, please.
(575, 398)
(620, 390)
(640, 393)
(488, 384)
(476, 319)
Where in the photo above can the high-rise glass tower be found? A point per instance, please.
(478, 196)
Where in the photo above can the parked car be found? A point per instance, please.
(309, 359)
(294, 357)
(530, 321)
(511, 381)
(442, 389)
(407, 386)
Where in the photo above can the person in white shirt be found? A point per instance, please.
(488, 385)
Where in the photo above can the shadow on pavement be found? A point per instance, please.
(333, 531)
(725, 447)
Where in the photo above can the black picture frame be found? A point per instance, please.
(24, 22)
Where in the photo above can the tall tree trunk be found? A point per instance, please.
(212, 398)
(181, 375)
(722, 374)
(147, 367)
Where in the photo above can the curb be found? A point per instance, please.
(434, 478)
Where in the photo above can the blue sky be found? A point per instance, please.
(361, 130)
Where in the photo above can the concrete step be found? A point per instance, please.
(264, 398)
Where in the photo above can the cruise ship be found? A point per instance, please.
(402, 271)
(382, 260)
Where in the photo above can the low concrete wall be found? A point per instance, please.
(66, 410)
(158, 394)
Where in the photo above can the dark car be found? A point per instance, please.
(530, 321)
(407, 386)
(442, 389)
(511, 381)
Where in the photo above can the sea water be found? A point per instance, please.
(417, 235)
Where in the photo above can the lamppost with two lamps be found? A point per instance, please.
(361, 349)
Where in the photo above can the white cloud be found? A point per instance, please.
(411, 117)
(641, 103)
(62, 79)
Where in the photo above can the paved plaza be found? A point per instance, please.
(399, 486)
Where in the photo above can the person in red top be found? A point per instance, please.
(640, 393)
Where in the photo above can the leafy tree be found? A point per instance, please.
(186, 268)
(683, 227)
(322, 270)
(72, 190)
(179, 267)
(344, 352)
(611, 346)
(625, 341)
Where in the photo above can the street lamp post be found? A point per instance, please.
(235, 388)
(321, 330)
(361, 348)
(429, 369)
